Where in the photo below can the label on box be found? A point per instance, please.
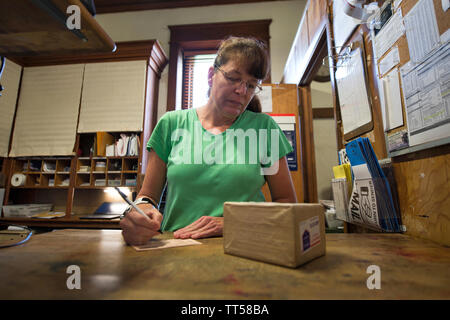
(309, 233)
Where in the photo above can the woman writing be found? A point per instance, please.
(223, 151)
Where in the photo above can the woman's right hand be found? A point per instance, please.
(137, 229)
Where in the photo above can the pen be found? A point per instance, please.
(124, 197)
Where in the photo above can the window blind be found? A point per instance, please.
(113, 97)
(188, 79)
(195, 79)
(10, 81)
(47, 111)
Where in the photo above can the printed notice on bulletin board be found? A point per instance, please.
(352, 91)
(427, 97)
(287, 125)
(291, 157)
(265, 97)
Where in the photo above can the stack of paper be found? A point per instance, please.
(127, 145)
(344, 171)
(342, 188)
(371, 202)
(49, 215)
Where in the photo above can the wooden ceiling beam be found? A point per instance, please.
(109, 6)
(35, 27)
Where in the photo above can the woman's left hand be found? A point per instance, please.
(204, 227)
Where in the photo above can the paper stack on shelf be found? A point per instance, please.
(342, 188)
(25, 210)
(127, 145)
(49, 166)
(49, 215)
(133, 145)
(371, 203)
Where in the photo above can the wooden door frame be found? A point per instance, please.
(321, 50)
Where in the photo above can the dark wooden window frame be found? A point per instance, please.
(206, 37)
(188, 74)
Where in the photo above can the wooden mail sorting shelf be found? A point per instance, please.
(41, 172)
(106, 172)
(76, 178)
(74, 185)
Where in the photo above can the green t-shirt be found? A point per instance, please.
(204, 170)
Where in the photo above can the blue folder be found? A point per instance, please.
(360, 151)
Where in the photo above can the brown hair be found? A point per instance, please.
(251, 53)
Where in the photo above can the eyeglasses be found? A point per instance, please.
(252, 87)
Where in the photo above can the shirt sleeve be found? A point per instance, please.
(160, 138)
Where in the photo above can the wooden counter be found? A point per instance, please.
(410, 269)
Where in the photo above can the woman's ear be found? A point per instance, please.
(210, 76)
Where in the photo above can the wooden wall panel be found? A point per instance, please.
(303, 40)
(407, 5)
(442, 17)
(293, 69)
(308, 149)
(423, 181)
(317, 14)
(309, 32)
(285, 100)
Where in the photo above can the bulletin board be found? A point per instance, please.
(412, 56)
(407, 57)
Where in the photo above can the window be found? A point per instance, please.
(188, 41)
(195, 79)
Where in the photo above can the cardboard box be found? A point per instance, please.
(279, 233)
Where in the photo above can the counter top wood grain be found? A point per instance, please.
(410, 269)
